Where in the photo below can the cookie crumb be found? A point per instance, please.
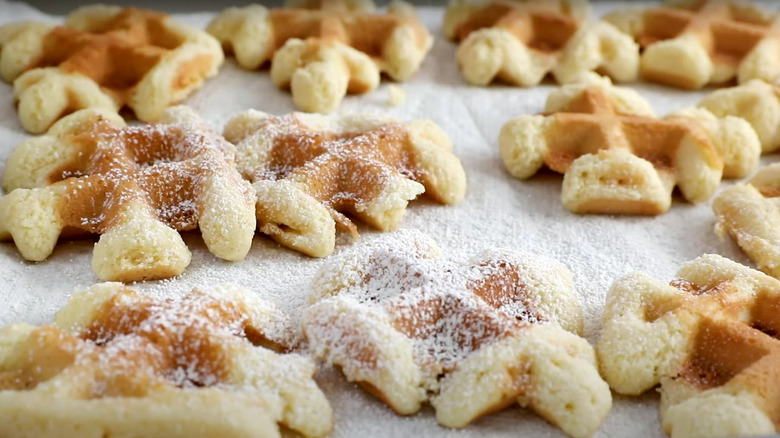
(396, 96)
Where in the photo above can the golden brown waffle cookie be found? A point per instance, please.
(617, 157)
(332, 48)
(750, 214)
(104, 57)
(692, 43)
(135, 186)
(755, 101)
(709, 339)
(470, 338)
(521, 41)
(309, 169)
(119, 363)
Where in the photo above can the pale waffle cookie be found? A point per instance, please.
(308, 170)
(322, 50)
(709, 339)
(521, 41)
(104, 57)
(135, 186)
(755, 101)
(116, 362)
(750, 214)
(693, 43)
(470, 338)
(618, 158)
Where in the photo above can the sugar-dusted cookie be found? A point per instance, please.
(136, 186)
(750, 214)
(322, 50)
(521, 41)
(617, 157)
(116, 362)
(755, 101)
(709, 338)
(104, 57)
(470, 338)
(693, 43)
(309, 170)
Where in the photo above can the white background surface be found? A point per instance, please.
(498, 211)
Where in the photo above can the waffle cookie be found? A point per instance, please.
(522, 41)
(755, 101)
(693, 43)
(116, 362)
(618, 158)
(749, 214)
(470, 338)
(309, 169)
(104, 57)
(709, 339)
(322, 50)
(135, 186)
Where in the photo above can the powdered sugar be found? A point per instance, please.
(431, 302)
(396, 307)
(294, 145)
(164, 165)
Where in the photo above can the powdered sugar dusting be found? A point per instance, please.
(431, 302)
(343, 165)
(164, 166)
(114, 344)
(186, 342)
(135, 343)
(447, 309)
